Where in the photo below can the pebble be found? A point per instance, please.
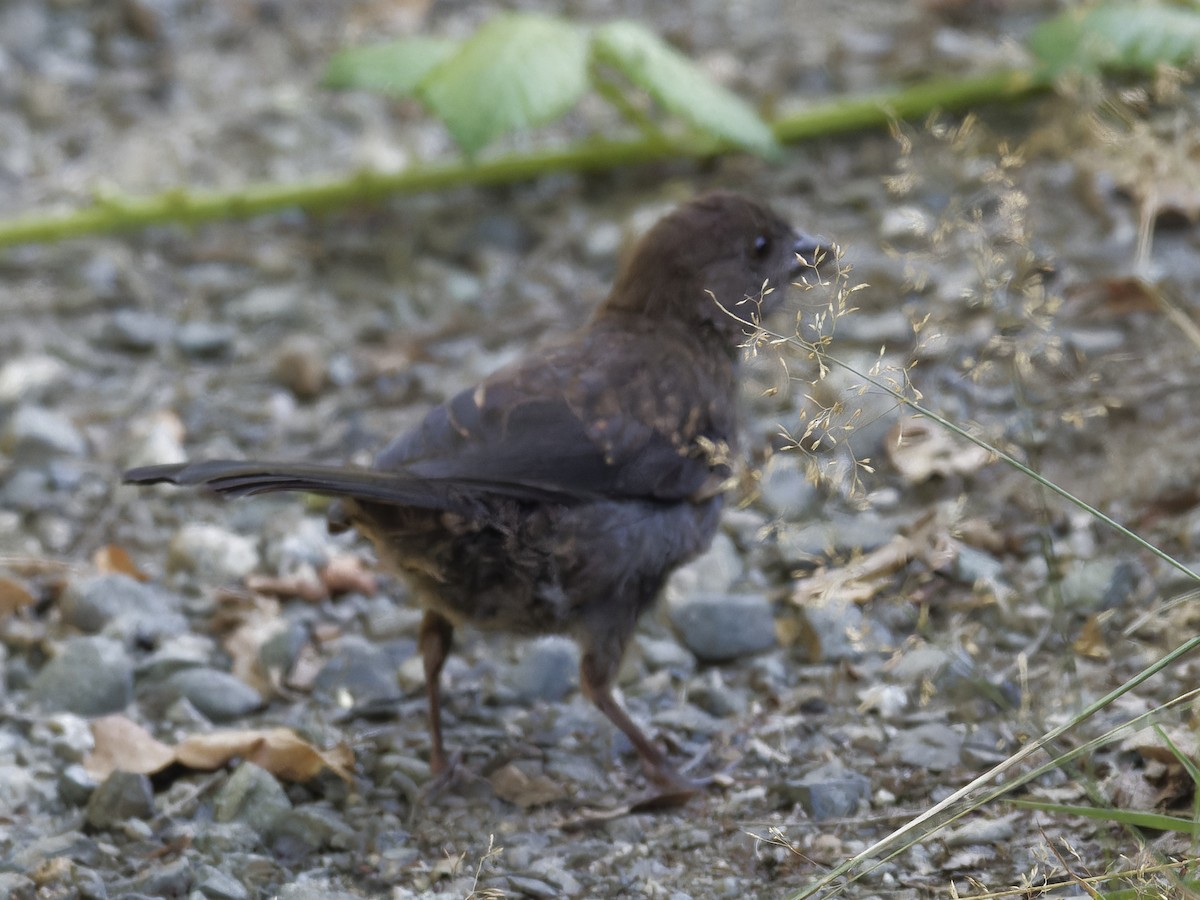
(785, 490)
(839, 533)
(164, 879)
(901, 224)
(17, 886)
(182, 651)
(1098, 584)
(253, 797)
(842, 631)
(204, 340)
(660, 654)
(718, 627)
(136, 331)
(931, 745)
(21, 786)
(214, 884)
(831, 791)
(974, 566)
(30, 378)
(35, 432)
(300, 366)
(123, 607)
(219, 696)
(90, 676)
(359, 673)
(212, 553)
(75, 785)
(315, 828)
(717, 570)
(121, 796)
(548, 669)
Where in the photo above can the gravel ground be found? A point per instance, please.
(831, 703)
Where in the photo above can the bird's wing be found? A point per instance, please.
(552, 430)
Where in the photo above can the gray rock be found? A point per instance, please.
(785, 490)
(183, 651)
(842, 631)
(839, 533)
(1098, 584)
(170, 879)
(218, 695)
(932, 745)
(27, 490)
(91, 676)
(204, 340)
(715, 697)
(660, 654)
(316, 827)
(548, 669)
(975, 566)
(68, 736)
(135, 330)
(253, 797)
(717, 571)
(121, 796)
(217, 885)
(29, 378)
(123, 607)
(310, 887)
(73, 845)
(362, 671)
(211, 553)
(75, 785)
(280, 651)
(16, 886)
(902, 224)
(831, 791)
(720, 627)
(21, 787)
(384, 618)
(35, 433)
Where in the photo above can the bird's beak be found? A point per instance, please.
(808, 249)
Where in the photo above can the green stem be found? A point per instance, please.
(118, 213)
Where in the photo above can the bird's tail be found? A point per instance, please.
(240, 478)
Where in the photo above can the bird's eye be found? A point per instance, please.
(762, 246)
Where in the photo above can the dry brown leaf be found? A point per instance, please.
(1151, 746)
(1091, 644)
(526, 790)
(13, 596)
(303, 587)
(123, 745)
(113, 559)
(1110, 297)
(921, 449)
(281, 752)
(865, 576)
(346, 574)
(244, 644)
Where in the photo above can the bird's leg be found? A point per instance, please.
(596, 676)
(434, 641)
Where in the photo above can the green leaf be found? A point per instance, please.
(1132, 817)
(676, 83)
(517, 70)
(1120, 36)
(394, 68)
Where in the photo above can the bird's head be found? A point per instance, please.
(719, 254)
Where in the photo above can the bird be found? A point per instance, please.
(557, 495)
